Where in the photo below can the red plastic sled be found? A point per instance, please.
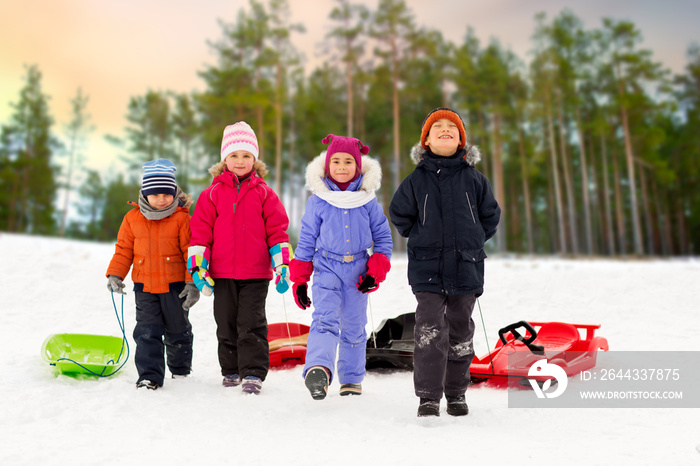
(292, 344)
(560, 343)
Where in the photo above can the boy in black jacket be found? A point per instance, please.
(447, 210)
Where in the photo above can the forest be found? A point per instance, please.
(589, 144)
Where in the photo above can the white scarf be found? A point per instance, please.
(346, 199)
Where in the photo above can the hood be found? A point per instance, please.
(259, 167)
(315, 172)
(185, 199)
(472, 156)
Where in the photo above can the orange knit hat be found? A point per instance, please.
(438, 114)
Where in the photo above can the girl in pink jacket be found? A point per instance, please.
(239, 236)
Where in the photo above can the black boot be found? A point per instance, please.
(316, 381)
(428, 407)
(457, 405)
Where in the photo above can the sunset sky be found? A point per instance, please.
(118, 49)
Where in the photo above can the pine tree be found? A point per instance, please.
(28, 178)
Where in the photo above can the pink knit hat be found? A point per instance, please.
(352, 146)
(239, 136)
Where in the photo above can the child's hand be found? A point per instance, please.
(115, 284)
(300, 296)
(282, 281)
(203, 281)
(281, 254)
(367, 284)
(197, 266)
(191, 295)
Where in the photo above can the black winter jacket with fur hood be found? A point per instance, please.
(447, 210)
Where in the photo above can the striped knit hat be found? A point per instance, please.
(239, 136)
(159, 178)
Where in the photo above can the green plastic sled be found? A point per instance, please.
(75, 354)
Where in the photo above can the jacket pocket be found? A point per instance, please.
(470, 271)
(139, 269)
(424, 265)
(174, 267)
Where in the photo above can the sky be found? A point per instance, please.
(117, 50)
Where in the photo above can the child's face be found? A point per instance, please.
(240, 162)
(160, 201)
(443, 138)
(342, 167)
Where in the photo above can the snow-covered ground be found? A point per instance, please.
(58, 286)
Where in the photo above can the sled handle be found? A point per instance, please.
(536, 349)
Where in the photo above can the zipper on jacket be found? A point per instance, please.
(425, 202)
(470, 207)
(238, 191)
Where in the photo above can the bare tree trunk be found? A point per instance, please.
(12, 217)
(606, 194)
(24, 213)
(551, 211)
(619, 210)
(278, 130)
(555, 170)
(568, 182)
(636, 226)
(526, 187)
(664, 232)
(294, 194)
(646, 208)
(484, 142)
(499, 182)
(683, 247)
(398, 242)
(514, 221)
(350, 93)
(584, 181)
(260, 130)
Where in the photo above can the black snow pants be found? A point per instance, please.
(443, 344)
(162, 329)
(241, 326)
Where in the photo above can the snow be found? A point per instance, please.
(58, 286)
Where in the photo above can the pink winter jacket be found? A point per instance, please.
(237, 225)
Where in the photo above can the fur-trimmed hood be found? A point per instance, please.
(316, 170)
(218, 168)
(472, 156)
(186, 199)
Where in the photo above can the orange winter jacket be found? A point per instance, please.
(156, 248)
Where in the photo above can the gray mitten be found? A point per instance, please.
(191, 295)
(115, 284)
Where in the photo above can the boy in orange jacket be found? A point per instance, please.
(154, 237)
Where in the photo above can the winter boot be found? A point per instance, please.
(428, 407)
(350, 389)
(231, 380)
(147, 384)
(316, 381)
(251, 384)
(457, 405)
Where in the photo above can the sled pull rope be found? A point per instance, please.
(286, 320)
(124, 342)
(493, 370)
(371, 319)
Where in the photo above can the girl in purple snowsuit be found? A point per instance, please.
(342, 221)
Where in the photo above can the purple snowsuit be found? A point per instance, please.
(337, 229)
